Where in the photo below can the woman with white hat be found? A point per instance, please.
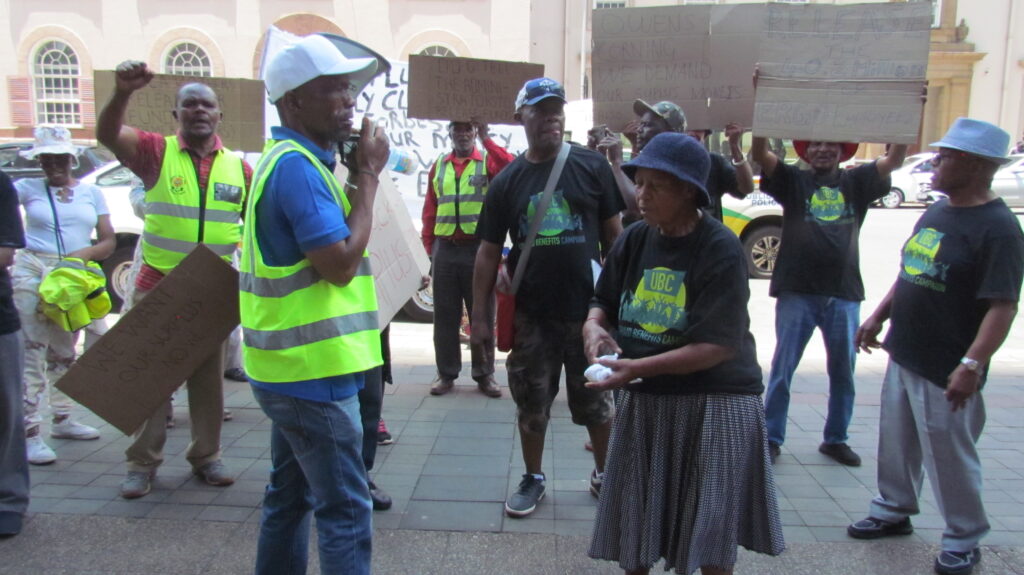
(60, 217)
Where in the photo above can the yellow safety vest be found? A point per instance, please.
(173, 225)
(459, 201)
(297, 325)
(74, 293)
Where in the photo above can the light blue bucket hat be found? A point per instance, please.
(978, 138)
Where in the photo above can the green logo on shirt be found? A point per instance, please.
(827, 204)
(919, 265)
(659, 302)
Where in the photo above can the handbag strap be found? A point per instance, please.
(56, 221)
(538, 217)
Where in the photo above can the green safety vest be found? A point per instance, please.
(297, 325)
(74, 293)
(465, 194)
(173, 227)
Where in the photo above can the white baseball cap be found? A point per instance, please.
(310, 58)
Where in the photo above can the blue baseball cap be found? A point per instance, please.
(978, 138)
(678, 155)
(538, 89)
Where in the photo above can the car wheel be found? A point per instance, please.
(762, 249)
(893, 199)
(420, 307)
(118, 270)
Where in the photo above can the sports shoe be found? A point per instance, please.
(383, 435)
(441, 386)
(136, 484)
(488, 387)
(841, 452)
(524, 501)
(71, 429)
(228, 416)
(381, 500)
(214, 473)
(236, 374)
(875, 528)
(774, 451)
(38, 452)
(956, 562)
(595, 483)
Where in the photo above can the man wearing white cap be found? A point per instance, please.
(309, 310)
(951, 307)
(195, 190)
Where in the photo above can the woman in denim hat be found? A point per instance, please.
(61, 215)
(688, 476)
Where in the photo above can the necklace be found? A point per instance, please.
(65, 195)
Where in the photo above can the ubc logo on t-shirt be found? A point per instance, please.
(559, 227)
(827, 206)
(657, 305)
(918, 265)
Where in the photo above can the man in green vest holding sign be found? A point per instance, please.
(309, 309)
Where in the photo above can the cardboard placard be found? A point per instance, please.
(699, 57)
(843, 73)
(150, 108)
(133, 369)
(446, 88)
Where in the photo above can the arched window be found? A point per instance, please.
(437, 50)
(187, 59)
(55, 81)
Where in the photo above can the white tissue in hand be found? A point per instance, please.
(598, 372)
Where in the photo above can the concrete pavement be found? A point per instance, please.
(456, 458)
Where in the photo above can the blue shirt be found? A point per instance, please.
(297, 213)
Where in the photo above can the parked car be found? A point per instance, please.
(912, 183)
(757, 220)
(17, 167)
(1008, 183)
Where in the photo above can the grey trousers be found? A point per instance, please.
(919, 431)
(14, 485)
(453, 287)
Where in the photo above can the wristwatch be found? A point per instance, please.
(971, 364)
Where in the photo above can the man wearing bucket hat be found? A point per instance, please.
(309, 310)
(581, 220)
(950, 309)
(816, 281)
(458, 183)
(195, 190)
(733, 177)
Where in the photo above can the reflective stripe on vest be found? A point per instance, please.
(172, 220)
(298, 326)
(458, 201)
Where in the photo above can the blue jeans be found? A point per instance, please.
(796, 316)
(316, 466)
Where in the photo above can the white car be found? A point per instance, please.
(1008, 183)
(116, 181)
(912, 182)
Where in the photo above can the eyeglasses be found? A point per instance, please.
(940, 157)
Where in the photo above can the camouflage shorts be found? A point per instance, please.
(542, 347)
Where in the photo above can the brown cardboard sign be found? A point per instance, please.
(133, 369)
(851, 72)
(463, 88)
(241, 101)
(699, 57)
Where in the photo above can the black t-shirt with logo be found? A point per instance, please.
(558, 282)
(956, 260)
(12, 235)
(663, 293)
(820, 227)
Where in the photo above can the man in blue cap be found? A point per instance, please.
(557, 282)
(950, 309)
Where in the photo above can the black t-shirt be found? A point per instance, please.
(721, 180)
(663, 293)
(956, 260)
(12, 235)
(558, 281)
(821, 222)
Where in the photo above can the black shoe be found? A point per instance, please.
(841, 452)
(774, 451)
(957, 563)
(235, 374)
(874, 528)
(524, 501)
(381, 500)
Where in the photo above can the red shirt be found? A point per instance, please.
(149, 158)
(497, 159)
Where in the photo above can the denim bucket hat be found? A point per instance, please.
(678, 155)
(977, 138)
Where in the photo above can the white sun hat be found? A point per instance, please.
(50, 140)
(310, 58)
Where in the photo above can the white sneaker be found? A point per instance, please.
(38, 452)
(70, 429)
